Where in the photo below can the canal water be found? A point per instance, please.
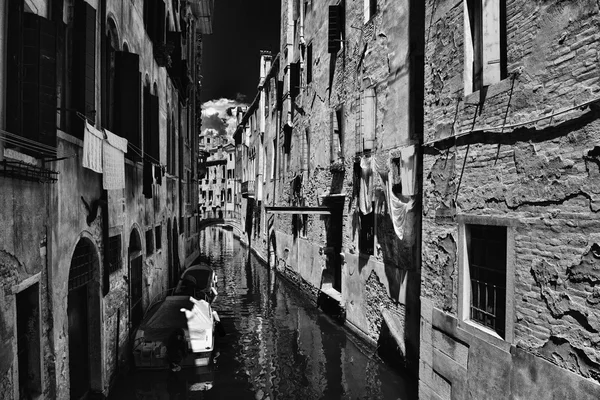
(278, 345)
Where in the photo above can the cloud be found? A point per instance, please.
(219, 115)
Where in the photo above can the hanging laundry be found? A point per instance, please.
(366, 186)
(113, 155)
(92, 148)
(398, 209)
(408, 170)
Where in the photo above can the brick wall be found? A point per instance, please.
(542, 175)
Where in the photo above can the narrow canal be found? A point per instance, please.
(278, 345)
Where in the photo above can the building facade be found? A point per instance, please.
(509, 305)
(98, 152)
(330, 149)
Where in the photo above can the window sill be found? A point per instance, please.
(491, 91)
(487, 335)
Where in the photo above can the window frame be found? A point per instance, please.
(464, 284)
(484, 44)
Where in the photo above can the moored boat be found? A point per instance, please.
(175, 333)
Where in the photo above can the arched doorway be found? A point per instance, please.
(83, 313)
(134, 255)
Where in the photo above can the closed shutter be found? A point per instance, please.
(491, 42)
(309, 50)
(31, 76)
(154, 129)
(368, 118)
(279, 95)
(296, 9)
(367, 10)
(31, 72)
(333, 42)
(294, 79)
(332, 145)
(127, 103)
(47, 83)
(84, 61)
(14, 49)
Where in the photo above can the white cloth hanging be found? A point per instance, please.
(92, 148)
(407, 170)
(397, 208)
(113, 149)
(365, 203)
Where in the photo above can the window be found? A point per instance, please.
(370, 9)
(158, 236)
(309, 62)
(229, 195)
(336, 31)
(114, 254)
(366, 238)
(486, 252)
(485, 43)
(486, 271)
(149, 242)
(337, 135)
(368, 118)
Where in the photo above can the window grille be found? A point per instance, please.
(82, 265)
(487, 266)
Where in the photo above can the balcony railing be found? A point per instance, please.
(247, 189)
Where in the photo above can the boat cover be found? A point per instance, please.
(166, 318)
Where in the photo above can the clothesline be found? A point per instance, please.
(135, 149)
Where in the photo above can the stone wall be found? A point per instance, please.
(535, 172)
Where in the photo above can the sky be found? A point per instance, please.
(231, 55)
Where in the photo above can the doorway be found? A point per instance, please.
(83, 314)
(134, 253)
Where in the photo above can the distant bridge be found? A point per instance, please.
(227, 218)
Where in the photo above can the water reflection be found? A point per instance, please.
(278, 345)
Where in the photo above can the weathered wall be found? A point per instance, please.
(542, 176)
(23, 247)
(380, 52)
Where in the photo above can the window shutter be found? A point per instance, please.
(296, 10)
(279, 95)
(31, 75)
(491, 42)
(367, 10)
(154, 128)
(357, 106)
(369, 118)
(14, 49)
(309, 50)
(84, 61)
(333, 43)
(332, 136)
(47, 83)
(31, 70)
(295, 79)
(127, 103)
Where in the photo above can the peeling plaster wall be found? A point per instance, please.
(23, 247)
(543, 176)
(382, 51)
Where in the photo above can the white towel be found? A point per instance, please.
(114, 149)
(92, 148)
(407, 170)
(365, 199)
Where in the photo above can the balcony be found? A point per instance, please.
(247, 189)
